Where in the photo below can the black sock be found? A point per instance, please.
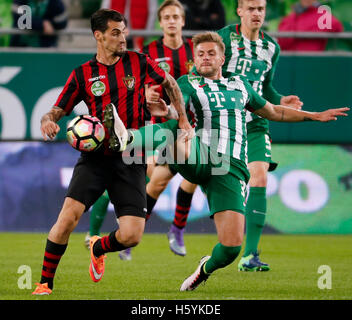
(52, 256)
(183, 206)
(107, 244)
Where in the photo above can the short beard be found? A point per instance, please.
(207, 74)
(118, 53)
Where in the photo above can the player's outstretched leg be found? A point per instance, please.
(119, 136)
(197, 277)
(229, 226)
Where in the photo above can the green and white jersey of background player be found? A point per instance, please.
(256, 61)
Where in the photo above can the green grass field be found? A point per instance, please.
(156, 273)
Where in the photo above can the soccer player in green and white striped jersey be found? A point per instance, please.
(216, 157)
(253, 54)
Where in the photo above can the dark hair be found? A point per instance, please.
(99, 19)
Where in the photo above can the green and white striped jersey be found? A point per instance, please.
(218, 109)
(254, 60)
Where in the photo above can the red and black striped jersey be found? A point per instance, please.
(122, 84)
(176, 62)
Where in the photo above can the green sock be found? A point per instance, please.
(221, 256)
(255, 218)
(98, 214)
(152, 136)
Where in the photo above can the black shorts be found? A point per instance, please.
(125, 183)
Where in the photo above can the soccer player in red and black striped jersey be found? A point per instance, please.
(174, 54)
(114, 76)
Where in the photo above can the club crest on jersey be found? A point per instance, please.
(98, 88)
(235, 37)
(129, 82)
(194, 79)
(189, 65)
(164, 65)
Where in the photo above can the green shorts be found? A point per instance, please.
(223, 181)
(259, 148)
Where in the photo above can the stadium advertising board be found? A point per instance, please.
(310, 192)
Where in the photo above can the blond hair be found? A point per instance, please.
(208, 36)
(168, 3)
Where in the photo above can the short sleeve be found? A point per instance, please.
(255, 101)
(70, 95)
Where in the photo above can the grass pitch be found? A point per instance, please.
(155, 273)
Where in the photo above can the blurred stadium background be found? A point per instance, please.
(310, 192)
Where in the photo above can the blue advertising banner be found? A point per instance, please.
(34, 177)
(306, 194)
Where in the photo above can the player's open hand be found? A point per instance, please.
(49, 129)
(158, 108)
(151, 94)
(292, 101)
(332, 114)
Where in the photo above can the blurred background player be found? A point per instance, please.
(174, 54)
(47, 16)
(253, 54)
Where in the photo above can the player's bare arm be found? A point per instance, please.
(286, 114)
(173, 91)
(49, 126)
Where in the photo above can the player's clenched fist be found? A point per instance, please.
(49, 129)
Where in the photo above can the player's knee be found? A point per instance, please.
(258, 180)
(131, 239)
(188, 186)
(68, 219)
(158, 187)
(233, 240)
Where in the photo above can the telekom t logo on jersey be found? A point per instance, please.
(217, 97)
(244, 65)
